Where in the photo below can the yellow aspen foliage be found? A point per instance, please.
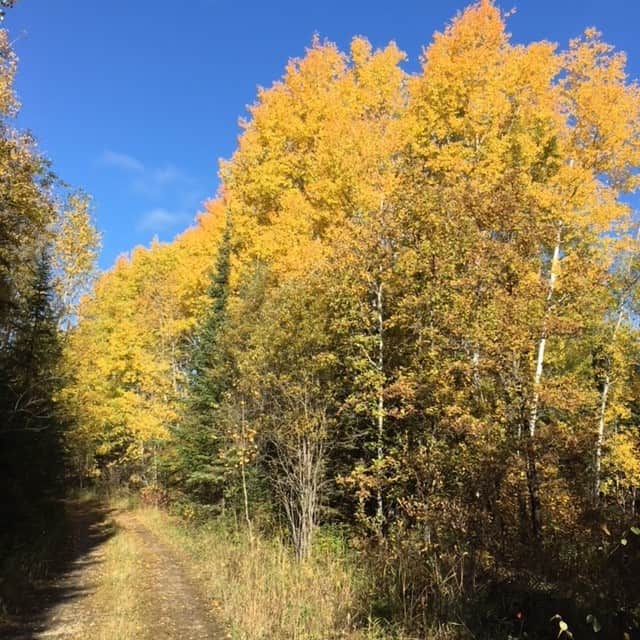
(74, 253)
(126, 353)
(314, 152)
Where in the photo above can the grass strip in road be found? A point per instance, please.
(120, 596)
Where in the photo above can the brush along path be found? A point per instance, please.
(123, 586)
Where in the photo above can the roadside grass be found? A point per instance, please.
(119, 599)
(259, 591)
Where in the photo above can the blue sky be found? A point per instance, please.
(135, 101)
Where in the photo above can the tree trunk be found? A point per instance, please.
(603, 410)
(300, 490)
(245, 493)
(534, 489)
(542, 344)
(300, 465)
(380, 416)
(600, 438)
(605, 395)
(530, 450)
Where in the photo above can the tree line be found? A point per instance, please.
(48, 249)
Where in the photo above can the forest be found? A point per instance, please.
(404, 331)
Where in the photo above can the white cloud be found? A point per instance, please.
(167, 190)
(168, 174)
(155, 183)
(121, 161)
(160, 219)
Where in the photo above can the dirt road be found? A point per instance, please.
(118, 583)
(178, 610)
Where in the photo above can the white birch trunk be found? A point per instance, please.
(605, 395)
(542, 344)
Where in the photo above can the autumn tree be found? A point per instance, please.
(33, 225)
(290, 365)
(127, 358)
(76, 244)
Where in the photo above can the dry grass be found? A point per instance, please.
(119, 598)
(261, 592)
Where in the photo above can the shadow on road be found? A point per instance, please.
(88, 525)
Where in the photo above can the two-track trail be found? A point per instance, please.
(179, 609)
(119, 582)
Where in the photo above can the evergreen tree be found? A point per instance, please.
(198, 436)
(31, 458)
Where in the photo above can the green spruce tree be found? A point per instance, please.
(31, 457)
(199, 435)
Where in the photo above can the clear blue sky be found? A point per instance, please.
(135, 100)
